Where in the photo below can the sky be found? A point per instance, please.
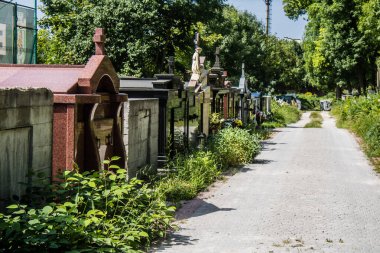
(281, 25)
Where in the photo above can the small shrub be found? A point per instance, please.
(316, 120)
(362, 116)
(314, 124)
(175, 189)
(316, 116)
(235, 146)
(215, 121)
(92, 211)
(188, 175)
(282, 114)
(200, 169)
(309, 101)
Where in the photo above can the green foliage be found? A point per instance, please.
(188, 175)
(283, 114)
(215, 121)
(361, 115)
(316, 116)
(93, 211)
(141, 34)
(314, 124)
(269, 61)
(309, 102)
(316, 120)
(235, 146)
(176, 189)
(341, 42)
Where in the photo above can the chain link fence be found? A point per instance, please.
(18, 33)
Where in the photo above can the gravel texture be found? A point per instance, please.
(310, 190)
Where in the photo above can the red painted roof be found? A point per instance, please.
(98, 75)
(57, 78)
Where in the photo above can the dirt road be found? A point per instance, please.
(310, 190)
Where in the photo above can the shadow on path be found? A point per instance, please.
(262, 161)
(198, 207)
(172, 240)
(194, 208)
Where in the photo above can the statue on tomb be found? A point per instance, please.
(196, 66)
(199, 74)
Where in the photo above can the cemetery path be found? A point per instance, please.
(310, 190)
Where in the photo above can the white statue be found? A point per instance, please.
(196, 68)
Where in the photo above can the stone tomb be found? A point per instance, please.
(87, 121)
(224, 97)
(140, 133)
(197, 104)
(26, 119)
(246, 107)
(171, 99)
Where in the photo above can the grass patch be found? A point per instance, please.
(314, 124)
(281, 115)
(192, 173)
(316, 120)
(316, 116)
(361, 115)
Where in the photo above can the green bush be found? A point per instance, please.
(314, 124)
(309, 102)
(188, 175)
(316, 120)
(283, 114)
(176, 189)
(94, 212)
(235, 146)
(316, 116)
(362, 116)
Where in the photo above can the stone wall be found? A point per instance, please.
(25, 137)
(140, 131)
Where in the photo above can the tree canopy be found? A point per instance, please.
(341, 41)
(142, 34)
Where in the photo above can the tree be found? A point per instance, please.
(369, 24)
(337, 52)
(269, 62)
(140, 33)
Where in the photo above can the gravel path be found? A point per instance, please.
(310, 190)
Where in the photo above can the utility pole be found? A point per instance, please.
(267, 28)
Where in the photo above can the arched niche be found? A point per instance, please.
(106, 85)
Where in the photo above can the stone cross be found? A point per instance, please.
(99, 38)
(171, 64)
(217, 61)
